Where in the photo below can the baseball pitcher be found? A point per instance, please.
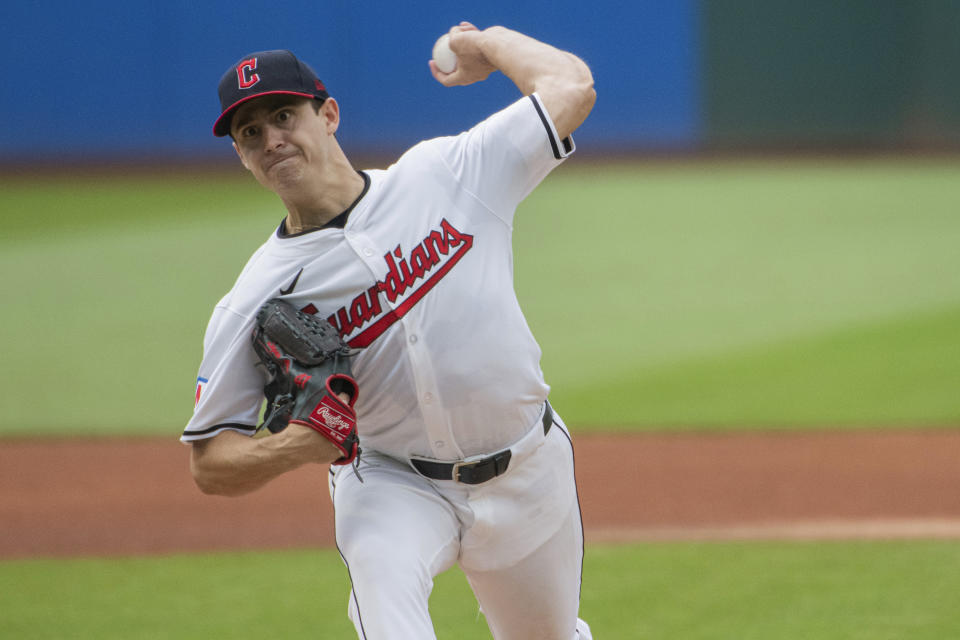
(379, 328)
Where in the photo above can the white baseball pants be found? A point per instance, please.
(518, 539)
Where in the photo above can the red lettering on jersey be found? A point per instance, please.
(402, 275)
(360, 307)
(420, 261)
(246, 73)
(451, 235)
(363, 308)
(374, 293)
(429, 262)
(341, 320)
(405, 272)
(435, 244)
(393, 285)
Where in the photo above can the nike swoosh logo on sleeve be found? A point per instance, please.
(289, 289)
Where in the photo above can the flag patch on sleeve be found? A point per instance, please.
(201, 383)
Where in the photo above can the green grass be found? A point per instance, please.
(65, 206)
(900, 371)
(683, 591)
(663, 295)
(720, 293)
(746, 591)
(110, 315)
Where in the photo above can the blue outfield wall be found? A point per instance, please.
(102, 78)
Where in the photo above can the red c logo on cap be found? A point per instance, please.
(246, 76)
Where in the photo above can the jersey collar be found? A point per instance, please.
(338, 222)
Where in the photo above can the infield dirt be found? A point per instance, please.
(136, 496)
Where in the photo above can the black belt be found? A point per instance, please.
(475, 471)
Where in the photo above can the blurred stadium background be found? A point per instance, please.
(104, 79)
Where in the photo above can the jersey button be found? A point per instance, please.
(413, 339)
(368, 252)
(428, 397)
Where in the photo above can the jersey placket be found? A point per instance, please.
(435, 418)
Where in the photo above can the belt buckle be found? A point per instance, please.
(497, 463)
(464, 464)
(456, 470)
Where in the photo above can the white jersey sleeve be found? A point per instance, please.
(502, 159)
(229, 384)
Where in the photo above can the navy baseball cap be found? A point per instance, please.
(260, 74)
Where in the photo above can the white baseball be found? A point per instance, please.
(445, 58)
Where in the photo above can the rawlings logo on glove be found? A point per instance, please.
(309, 367)
(337, 421)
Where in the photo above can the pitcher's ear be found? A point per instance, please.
(330, 112)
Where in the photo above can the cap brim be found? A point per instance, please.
(221, 127)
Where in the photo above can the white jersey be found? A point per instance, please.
(420, 279)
